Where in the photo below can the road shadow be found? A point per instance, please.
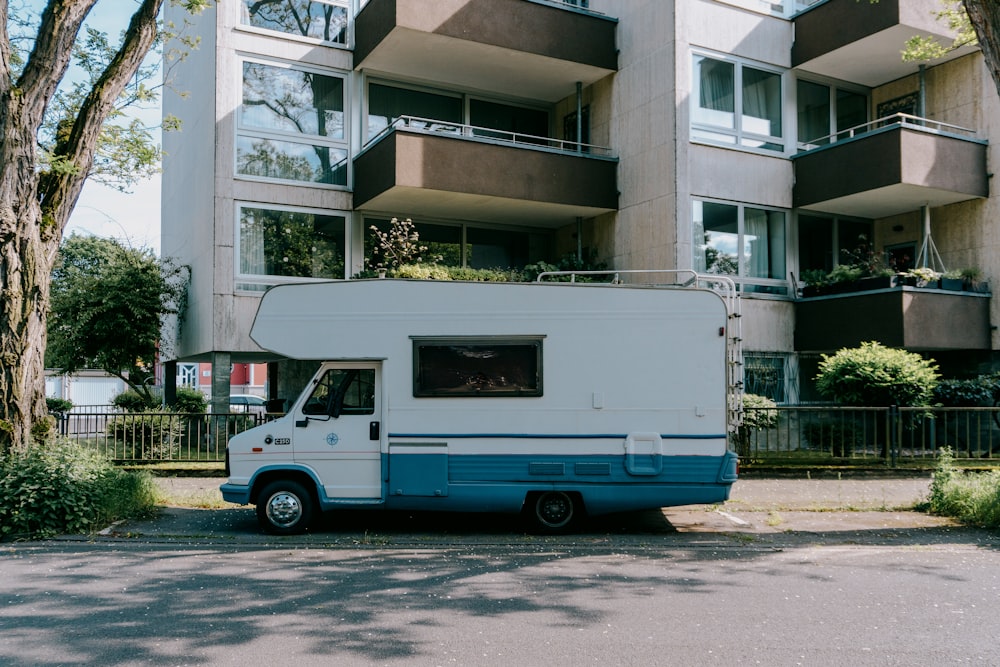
(670, 528)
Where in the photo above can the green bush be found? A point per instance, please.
(758, 413)
(62, 487)
(147, 435)
(190, 401)
(58, 405)
(972, 498)
(132, 401)
(873, 375)
(841, 439)
(569, 262)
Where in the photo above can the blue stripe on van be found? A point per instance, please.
(558, 436)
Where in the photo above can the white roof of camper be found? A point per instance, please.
(366, 319)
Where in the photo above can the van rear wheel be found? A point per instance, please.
(284, 508)
(554, 511)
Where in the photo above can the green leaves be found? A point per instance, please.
(873, 375)
(106, 308)
(66, 488)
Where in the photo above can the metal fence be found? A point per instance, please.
(127, 437)
(811, 434)
(890, 436)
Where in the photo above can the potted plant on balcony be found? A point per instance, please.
(952, 281)
(972, 279)
(814, 282)
(923, 276)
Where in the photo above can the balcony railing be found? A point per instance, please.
(490, 135)
(904, 120)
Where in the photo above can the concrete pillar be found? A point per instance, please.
(222, 363)
(169, 383)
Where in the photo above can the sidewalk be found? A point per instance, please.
(760, 495)
(827, 509)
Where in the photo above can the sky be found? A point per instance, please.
(102, 211)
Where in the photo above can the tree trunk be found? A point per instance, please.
(985, 18)
(36, 204)
(25, 265)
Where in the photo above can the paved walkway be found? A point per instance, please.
(825, 509)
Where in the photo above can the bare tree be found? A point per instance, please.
(38, 192)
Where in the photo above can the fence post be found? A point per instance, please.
(895, 424)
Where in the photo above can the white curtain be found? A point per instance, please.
(755, 241)
(761, 102)
(252, 242)
(716, 92)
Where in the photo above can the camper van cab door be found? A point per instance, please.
(337, 430)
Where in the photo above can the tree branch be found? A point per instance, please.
(59, 190)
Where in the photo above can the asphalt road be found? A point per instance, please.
(787, 573)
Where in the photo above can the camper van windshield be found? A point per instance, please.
(349, 391)
(476, 367)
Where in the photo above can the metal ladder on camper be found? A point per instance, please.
(686, 278)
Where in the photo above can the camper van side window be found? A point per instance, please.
(343, 391)
(477, 367)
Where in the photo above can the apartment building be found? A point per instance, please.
(763, 140)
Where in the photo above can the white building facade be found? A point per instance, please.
(741, 137)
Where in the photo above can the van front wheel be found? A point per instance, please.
(284, 508)
(554, 511)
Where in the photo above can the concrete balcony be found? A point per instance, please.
(531, 49)
(915, 318)
(891, 166)
(860, 41)
(420, 168)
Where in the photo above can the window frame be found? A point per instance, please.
(348, 42)
(833, 87)
(463, 228)
(768, 286)
(253, 282)
(420, 390)
(742, 139)
(340, 144)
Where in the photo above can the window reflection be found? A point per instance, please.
(319, 19)
(289, 100)
(291, 243)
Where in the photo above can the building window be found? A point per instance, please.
(825, 113)
(387, 103)
(570, 128)
(285, 243)
(765, 374)
(187, 375)
(473, 246)
(325, 20)
(477, 367)
(745, 242)
(736, 104)
(292, 125)
(825, 242)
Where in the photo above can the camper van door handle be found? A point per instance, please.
(373, 431)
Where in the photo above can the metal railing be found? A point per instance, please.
(889, 436)
(895, 120)
(132, 437)
(791, 434)
(487, 134)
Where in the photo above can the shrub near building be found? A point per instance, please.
(873, 375)
(63, 488)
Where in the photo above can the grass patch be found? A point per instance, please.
(971, 497)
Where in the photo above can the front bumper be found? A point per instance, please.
(235, 493)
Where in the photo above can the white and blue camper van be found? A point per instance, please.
(555, 399)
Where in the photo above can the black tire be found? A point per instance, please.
(553, 512)
(284, 508)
